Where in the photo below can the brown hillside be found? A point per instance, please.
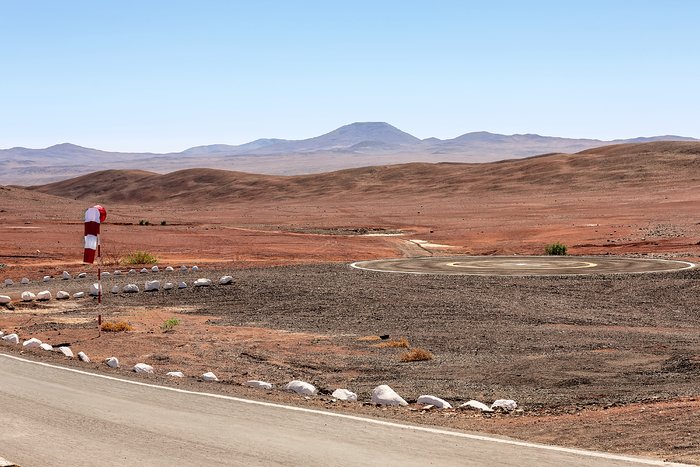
(610, 167)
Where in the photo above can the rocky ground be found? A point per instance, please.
(593, 361)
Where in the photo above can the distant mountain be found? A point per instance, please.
(354, 145)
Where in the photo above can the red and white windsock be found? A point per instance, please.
(93, 217)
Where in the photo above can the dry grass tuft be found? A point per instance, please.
(118, 326)
(369, 338)
(394, 343)
(416, 355)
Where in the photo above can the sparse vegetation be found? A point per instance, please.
(116, 326)
(144, 222)
(2, 265)
(394, 343)
(369, 338)
(170, 324)
(163, 223)
(139, 257)
(416, 355)
(557, 248)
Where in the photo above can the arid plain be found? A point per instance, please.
(606, 362)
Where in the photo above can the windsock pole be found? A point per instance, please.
(94, 216)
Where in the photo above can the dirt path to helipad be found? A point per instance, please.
(522, 265)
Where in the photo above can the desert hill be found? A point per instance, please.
(615, 167)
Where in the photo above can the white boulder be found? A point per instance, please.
(79, 295)
(132, 271)
(182, 285)
(175, 374)
(209, 376)
(95, 289)
(344, 395)
(258, 384)
(476, 405)
(143, 368)
(31, 343)
(82, 275)
(117, 272)
(115, 289)
(11, 338)
(195, 268)
(105, 274)
(130, 288)
(434, 401)
(62, 295)
(169, 269)
(155, 269)
(384, 395)
(27, 296)
(24, 281)
(65, 276)
(152, 286)
(505, 404)
(45, 346)
(66, 351)
(5, 299)
(301, 387)
(225, 280)
(144, 271)
(168, 286)
(202, 282)
(47, 278)
(183, 268)
(112, 362)
(9, 282)
(83, 357)
(43, 296)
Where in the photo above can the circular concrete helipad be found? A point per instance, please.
(522, 265)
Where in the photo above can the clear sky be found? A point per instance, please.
(152, 75)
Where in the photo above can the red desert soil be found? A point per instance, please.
(636, 200)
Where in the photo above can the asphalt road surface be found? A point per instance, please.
(522, 265)
(50, 415)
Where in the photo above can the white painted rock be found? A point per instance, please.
(130, 288)
(152, 286)
(83, 357)
(24, 281)
(143, 368)
(168, 286)
(169, 269)
(45, 346)
(117, 272)
(95, 289)
(112, 362)
(82, 275)
(105, 274)
(66, 351)
(384, 395)
(144, 271)
(195, 268)
(28, 296)
(258, 384)
(9, 282)
(226, 280)
(115, 289)
(301, 387)
(182, 285)
(79, 295)
(43, 296)
(505, 404)
(11, 338)
(155, 269)
(31, 343)
(132, 271)
(47, 278)
(202, 282)
(183, 268)
(175, 374)
(476, 405)
(344, 395)
(5, 299)
(62, 295)
(65, 276)
(434, 401)
(209, 376)
(2, 333)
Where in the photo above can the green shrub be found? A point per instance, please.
(555, 249)
(170, 324)
(144, 222)
(163, 223)
(139, 257)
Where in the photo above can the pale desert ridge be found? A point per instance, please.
(607, 362)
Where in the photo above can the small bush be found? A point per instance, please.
(416, 355)
(144, 222)
(163, 223)
(118, 326)
(394, 343)
(139, 257)
(170, 324)
(555, 249)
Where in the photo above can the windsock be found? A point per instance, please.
(93, 217)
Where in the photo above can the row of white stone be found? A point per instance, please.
(67, 276)
(149, 286)
(381, 395)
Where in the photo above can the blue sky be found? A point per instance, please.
(167, 75)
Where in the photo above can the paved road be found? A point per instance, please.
(522, 265)
(53, 416)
